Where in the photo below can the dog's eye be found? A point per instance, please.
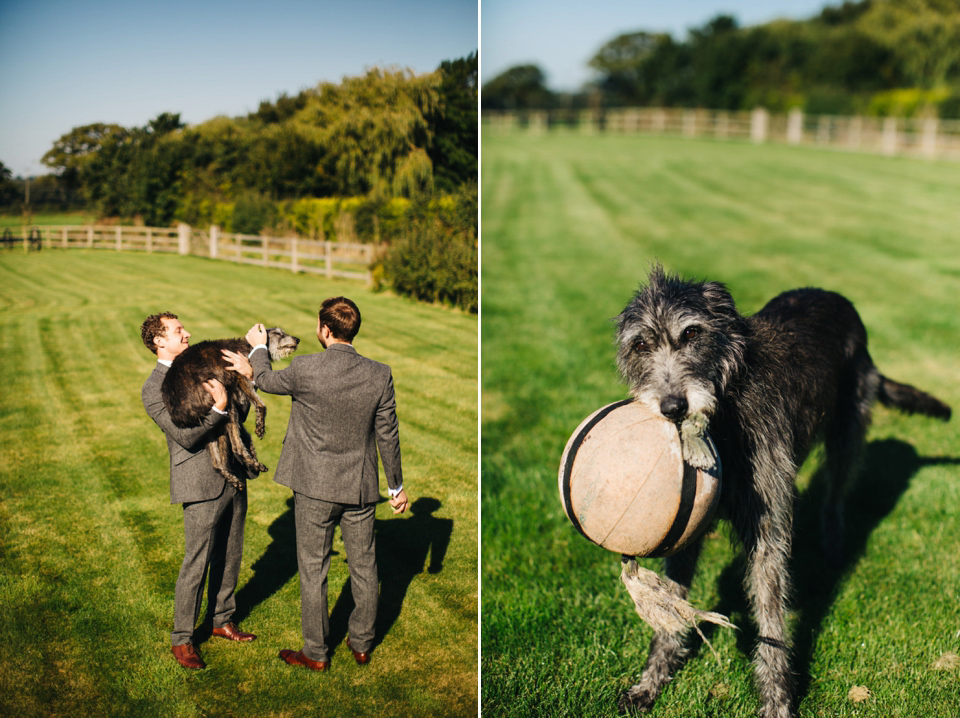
(640, 345)
(690, 333)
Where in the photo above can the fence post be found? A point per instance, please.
(854, 133)
(90, 237)
(119, 233)
(149, 240)
(538, 123)
(721, 127)
(266, 245)
(659, 123)
(328, 256)
(929, 141)
(183, 235)
(63, 237)
(795, 126)
(294, 259)
(214, 240)
(758, 125)
(888, 142)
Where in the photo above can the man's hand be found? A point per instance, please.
(215, 389)
(399, 502)
(238, 363)
(257, 335)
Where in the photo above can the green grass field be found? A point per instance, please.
(90, 546)
(570, 226)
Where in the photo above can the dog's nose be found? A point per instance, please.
(674, 407)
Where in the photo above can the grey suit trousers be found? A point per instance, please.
(213, 534)
(315, 521)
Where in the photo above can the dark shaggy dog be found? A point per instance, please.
(765, 387)
(188, 402)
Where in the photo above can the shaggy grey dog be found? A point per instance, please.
(764, 387)
(188, 402)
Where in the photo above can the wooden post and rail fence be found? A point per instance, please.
(927, 137)
(331, 259)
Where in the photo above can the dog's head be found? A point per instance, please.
(679, 343)
(280, 345)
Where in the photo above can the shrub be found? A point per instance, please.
(251, 213)
(435, 260)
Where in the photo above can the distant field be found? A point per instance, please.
(570, 225)
(90, 545)
(16, 220)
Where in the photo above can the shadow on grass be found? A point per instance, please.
(889, 466)
(274, 568)
(403, 547)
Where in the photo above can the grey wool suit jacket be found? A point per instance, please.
(192, 476)
(343, 409)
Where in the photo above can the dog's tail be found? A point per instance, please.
(911, 400)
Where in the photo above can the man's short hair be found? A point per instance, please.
(152, 327)
(341, 316)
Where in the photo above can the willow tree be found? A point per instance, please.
(374, 131)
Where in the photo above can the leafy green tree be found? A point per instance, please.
(73, 151)
(624, 66)
(837, 60)
(455, 148)
(8, 189)
(281, 110)
(519, 88)
(371, 126)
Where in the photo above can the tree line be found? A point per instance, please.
(875, 57)
(392, 153)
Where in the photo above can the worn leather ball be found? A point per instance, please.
(625, 486)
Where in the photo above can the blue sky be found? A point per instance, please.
(562, 35)
(67, 63)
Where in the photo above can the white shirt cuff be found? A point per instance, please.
(394, 492)
(259, 346)
(219, 411)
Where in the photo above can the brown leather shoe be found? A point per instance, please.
(188, 657)
(362, 659)
(296, 658)
(232, 633)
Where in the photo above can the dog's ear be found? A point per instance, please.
(719, 300)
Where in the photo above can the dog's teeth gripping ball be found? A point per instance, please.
(625, 486)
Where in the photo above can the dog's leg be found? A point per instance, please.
(242, 449)
(254, 464)
(261, 409)
(844, 439)
(219, 453)
(767, 538)
(696, 452)
(667, 650)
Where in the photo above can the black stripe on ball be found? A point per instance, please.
(688, 494)
(572, 455)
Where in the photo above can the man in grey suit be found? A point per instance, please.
(343, 409)
(213, 511)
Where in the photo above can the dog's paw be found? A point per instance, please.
(636, 700)
(696, 451)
